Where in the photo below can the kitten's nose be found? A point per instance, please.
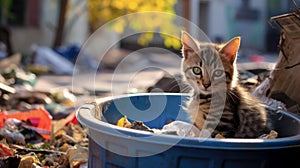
(206, 85)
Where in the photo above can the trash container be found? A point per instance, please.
(113, 146)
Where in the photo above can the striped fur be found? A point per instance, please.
(219, 104)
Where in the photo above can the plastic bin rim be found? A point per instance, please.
(85, 117)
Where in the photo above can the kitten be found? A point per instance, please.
(219, 104)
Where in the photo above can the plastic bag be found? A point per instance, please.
(182, 128)
(58, 64)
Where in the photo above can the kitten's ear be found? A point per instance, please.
(189, 44)
(231, 48)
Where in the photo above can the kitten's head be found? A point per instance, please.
(209, 67)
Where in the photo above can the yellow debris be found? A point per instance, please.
(123, 122)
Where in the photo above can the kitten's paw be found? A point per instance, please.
(205, 133)
(219, 136)
(272, 135)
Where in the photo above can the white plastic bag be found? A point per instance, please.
(182, 128)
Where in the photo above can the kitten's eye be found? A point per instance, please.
(197, 70)
(218, 73)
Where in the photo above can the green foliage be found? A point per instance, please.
(103, 11)
(5, 4)
(4, 10)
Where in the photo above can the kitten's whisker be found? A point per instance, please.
(174, 81)
(236, 96)
(174, 86)
(186, 89)
(232, 95)
(181, 89)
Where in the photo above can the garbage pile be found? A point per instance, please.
(23, 146)
(180, 128)
(37, 128)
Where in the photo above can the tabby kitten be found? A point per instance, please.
(219, 104)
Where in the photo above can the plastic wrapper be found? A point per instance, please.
(29, 161)
(123, 122)
(12, 137)
(64, 97)
(5, 151)
(261, 91)
(181, 128)
(77, 156)
(40, 119)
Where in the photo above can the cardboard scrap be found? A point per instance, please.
(284, 81)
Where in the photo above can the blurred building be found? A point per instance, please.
(35, 22)
(224, 19)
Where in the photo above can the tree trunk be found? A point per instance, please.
(61, 22)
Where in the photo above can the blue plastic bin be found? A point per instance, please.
(112, 146)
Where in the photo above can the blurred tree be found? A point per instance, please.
(61, 23)
(103, 11)
(4, 27)
(69, 12)
(4, 10)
